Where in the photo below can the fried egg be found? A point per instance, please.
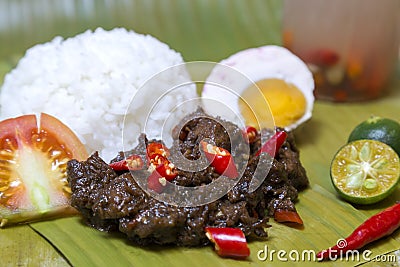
(262, 87)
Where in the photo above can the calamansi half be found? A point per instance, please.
(365, 171)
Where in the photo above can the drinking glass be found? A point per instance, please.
(351, 46)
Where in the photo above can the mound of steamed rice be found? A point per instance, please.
(88, 82)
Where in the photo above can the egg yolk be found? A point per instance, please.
(286, 101)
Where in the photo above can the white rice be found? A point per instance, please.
(88, 81)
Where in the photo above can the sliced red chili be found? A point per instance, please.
(163, 166)
(156, 182)
(157, 148)
(281, 215)
(220, 159)
(132, 163)
(167, 170)
(250, 134)
(273, 145)
(228, 242)
(379, 225)
(157, 159)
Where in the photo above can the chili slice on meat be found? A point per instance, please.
(162, 170)
(156, 148)
(132, 163)
(156, 182)
(167, 170)
(250, 134)
(273, 145)
(221, 159)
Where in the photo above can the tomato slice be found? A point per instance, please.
(33, 159)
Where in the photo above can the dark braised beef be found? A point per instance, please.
(113, 201)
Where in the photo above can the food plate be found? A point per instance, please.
(200, 30)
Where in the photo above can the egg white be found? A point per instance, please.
(233, 75)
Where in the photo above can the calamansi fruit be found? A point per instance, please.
(380, 129)
(365, 171)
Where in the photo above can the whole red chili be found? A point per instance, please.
(281, 215)
(229, 242)
(220, 159)
(273, 145)
(132, 163)
(250, 134)
(379, 225)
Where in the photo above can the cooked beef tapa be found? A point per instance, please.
(113, 201)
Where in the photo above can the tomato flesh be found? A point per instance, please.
(33, 160)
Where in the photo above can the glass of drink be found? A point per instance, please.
(351, 46)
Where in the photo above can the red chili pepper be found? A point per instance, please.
(379, 225)
(281, 215)
(157, 159)
(273, 145)
(163, 166)
(132, 163)
(229, 242)
(250, 134)
(157, 148)
(167, 170)
(220, 159)
(156, 182)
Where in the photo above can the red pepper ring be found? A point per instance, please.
(167, 170)
(228, 242)
(131, 163)
(220, 159)
(156, 182)
(163, 166)
(157, 148)
(250, 134)
(273, 145)
(156, 159)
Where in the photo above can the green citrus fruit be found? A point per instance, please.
(365, 171)
(377, 128)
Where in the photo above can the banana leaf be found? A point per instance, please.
(199, 30)
(326, 221)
